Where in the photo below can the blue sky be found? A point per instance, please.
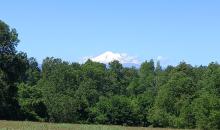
(174, 30)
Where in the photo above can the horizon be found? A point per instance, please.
(170, 32)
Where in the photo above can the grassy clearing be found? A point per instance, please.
(19, 125)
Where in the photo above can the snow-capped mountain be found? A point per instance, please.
(109, 56)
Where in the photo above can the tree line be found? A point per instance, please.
(182, 96)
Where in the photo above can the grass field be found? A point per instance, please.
(18, 125)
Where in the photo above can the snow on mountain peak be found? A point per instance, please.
(109, 56)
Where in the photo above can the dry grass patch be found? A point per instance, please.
(24, 125)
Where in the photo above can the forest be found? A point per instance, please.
(182, 96)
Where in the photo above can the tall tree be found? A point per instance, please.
(172, 106)
(12, 70)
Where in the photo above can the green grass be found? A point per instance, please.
(24, 125)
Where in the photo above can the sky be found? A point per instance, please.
(166, 30)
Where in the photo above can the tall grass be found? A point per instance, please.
(19, 125)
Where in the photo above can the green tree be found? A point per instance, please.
(207, 102)
(33, 73)
(59, 82)
(31, 102)
(12, 71)
(172, 107)
(118, 110)
(115, 75)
